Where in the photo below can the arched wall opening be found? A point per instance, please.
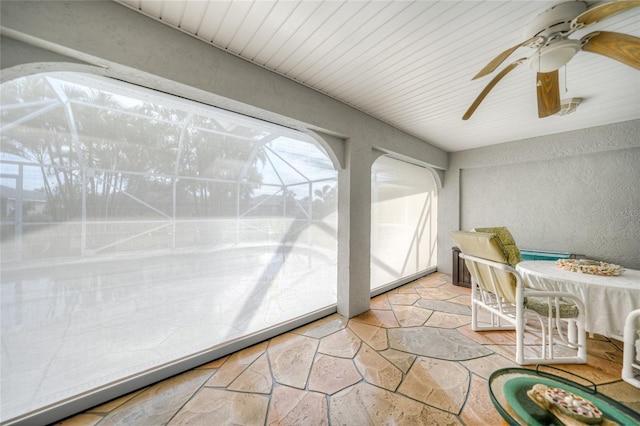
(144, 234)
(403, 223)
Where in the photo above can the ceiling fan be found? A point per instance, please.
(548, 34)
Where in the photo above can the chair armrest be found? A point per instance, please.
(497, 265)
(520, 284)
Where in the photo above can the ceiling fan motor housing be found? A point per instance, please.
(554, 24)
(554, 20)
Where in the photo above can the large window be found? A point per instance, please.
(403, 222)
(139, 228)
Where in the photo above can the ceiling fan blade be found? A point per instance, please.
(491, 66)
(490, 86)
(548, 89)
(623, 48)
(603, 11)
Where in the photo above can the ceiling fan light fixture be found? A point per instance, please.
(554, 56)
(569, 106)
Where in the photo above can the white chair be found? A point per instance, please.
(498, 289)
(631, 355)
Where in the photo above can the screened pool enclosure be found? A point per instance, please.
(139, 228)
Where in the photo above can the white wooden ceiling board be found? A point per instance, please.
(135, 4)
(152, 7)
(286, 33)
(410, 63)
(271, 26)
(172, 12)
(193, 14)
(375, 63)
(401, 60)
(331, 36)
(350, 64)
(357, 38)
(213, 18)
(256, 16)
(364, 70)
(297, 48)
(231, 23)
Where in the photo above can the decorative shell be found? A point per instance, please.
(574, 405)
(587, 266)
(569, 408)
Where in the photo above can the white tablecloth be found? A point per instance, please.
(607, 300)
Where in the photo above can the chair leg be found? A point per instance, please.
(520, 334)
(474, 306)
(572, 333)
(474, 316)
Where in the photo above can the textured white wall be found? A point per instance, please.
(577, 192)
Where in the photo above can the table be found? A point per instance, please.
(607, 299)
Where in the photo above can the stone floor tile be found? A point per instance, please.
(597, 370)
(441, 384)
(115, 403)
(218, 406)
(403, 298)
(459, 289)
(81, 420)
(376, 369)
(290, 406)
(291, 356)
(381, 302)
(436, 277)
(435, 342)
(411, 316)
(158, 403)
(617, 343)
(486, 365)
(447, 320)
(499, 337)
(214, 364)
(379, 318)
(400, 359)
(596, 336)
(431, 283)
(478, 409)
(444, 306)
(438, 293)
(236, 364)
(409, 288)
(323, 327)
(367, 404)
(330, 374)
(605, 350)
(489, 337)
(376, 337)
(622, 392)
(255, 379)
(509, 352)
(344, 344)
(463, 299)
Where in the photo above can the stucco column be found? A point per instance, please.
(354, 230)
(448, 217)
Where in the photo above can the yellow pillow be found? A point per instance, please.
(486, 246)
(507, 243)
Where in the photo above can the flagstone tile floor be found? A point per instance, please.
(411, 359)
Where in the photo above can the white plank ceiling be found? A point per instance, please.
(410, 63)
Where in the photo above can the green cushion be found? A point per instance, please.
(540, 305)
(506, 241)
